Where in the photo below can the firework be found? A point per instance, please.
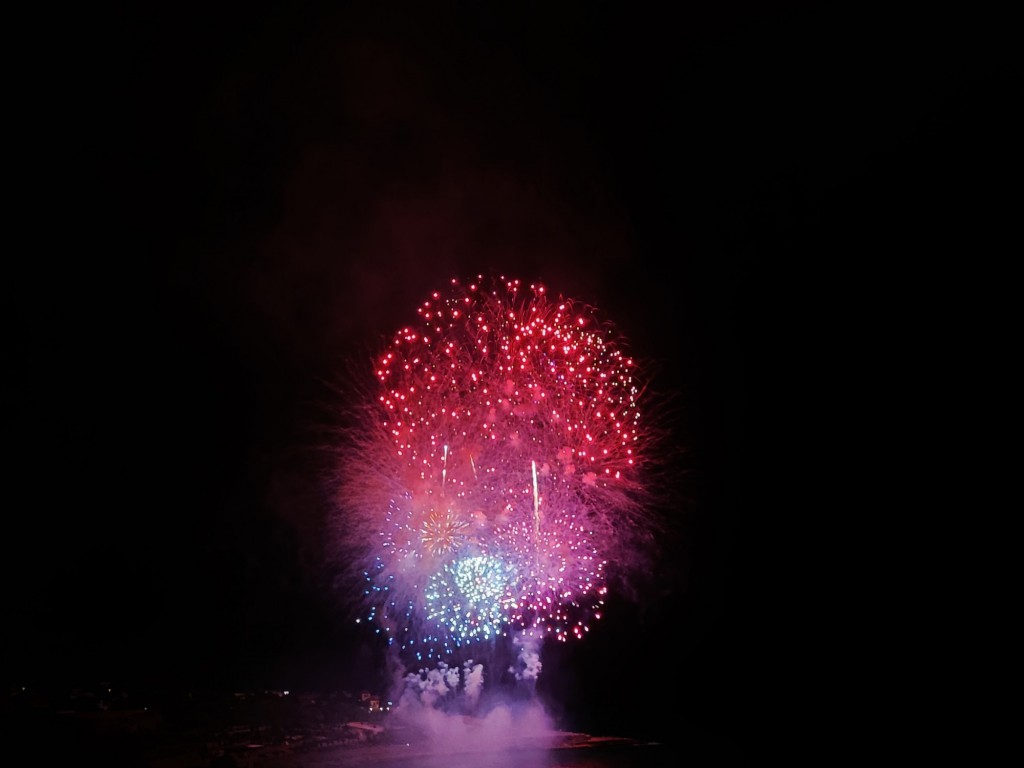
(494, 480)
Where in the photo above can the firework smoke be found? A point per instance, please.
(494, 481)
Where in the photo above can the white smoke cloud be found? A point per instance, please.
(448, 710)
(528, 664)
(428, 687)
(473, 676)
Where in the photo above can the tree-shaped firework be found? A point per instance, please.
(494, 481)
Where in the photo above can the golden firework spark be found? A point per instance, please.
(442, 532)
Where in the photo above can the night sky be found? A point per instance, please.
(215, 213)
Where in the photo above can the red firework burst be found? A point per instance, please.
(507, 429)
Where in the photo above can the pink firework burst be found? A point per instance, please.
(500, 464)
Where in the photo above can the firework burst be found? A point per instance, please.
(494, 481)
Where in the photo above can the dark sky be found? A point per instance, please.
(213, 211)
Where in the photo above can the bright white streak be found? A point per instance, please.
(444, 469)
(536, 503)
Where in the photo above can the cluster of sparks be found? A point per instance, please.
(506, 442)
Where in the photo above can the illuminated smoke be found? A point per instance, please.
(528, 664)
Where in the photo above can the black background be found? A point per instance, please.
(800, 217)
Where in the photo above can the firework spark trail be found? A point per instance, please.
(497, 474)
